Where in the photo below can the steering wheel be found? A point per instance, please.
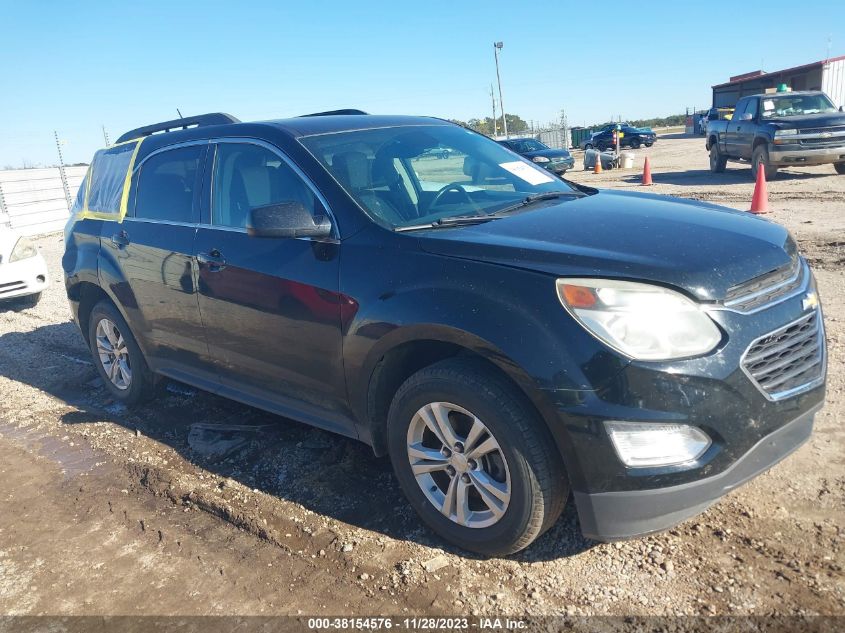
(453, 187)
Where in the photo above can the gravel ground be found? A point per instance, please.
(288, 518)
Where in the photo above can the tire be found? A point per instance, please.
(139, 385)
(718, 162)
(760, 157)
(588, 146)
(635, 143)
(840, 168)
(524, 463)
(649, 144)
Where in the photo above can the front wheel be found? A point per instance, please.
(840, 168)
(473, 459)
(760, 159)
(117, 357)
(588, 146)
(718, 162)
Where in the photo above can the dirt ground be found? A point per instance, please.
(158, 510)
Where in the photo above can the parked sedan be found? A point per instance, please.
(631, 137)
(23, 272)
(555, 160)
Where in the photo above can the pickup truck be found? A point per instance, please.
(782, 129)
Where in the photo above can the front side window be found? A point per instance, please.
(167, 183)
(395, 177)
(528, 145)
(248, 176)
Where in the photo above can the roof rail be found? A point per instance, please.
(201, 120)
(336, 112)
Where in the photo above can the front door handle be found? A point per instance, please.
(213, 259)
(120, 240)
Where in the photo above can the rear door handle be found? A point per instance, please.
(120, 240)
(213, 259)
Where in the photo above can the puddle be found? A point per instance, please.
(222, 440)
(74, 460)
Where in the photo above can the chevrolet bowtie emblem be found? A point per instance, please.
(811, 301)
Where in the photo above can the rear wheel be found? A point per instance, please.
(718, 162)
(588, 146)
(117, 357)
(473, 459)
(760, 160)
(635, 143)
(840, 168)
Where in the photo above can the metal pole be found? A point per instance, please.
(106, 136)
(62, 174)
(497, 46)
(493, 99)
(4, 215)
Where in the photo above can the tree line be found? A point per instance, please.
(518, 125)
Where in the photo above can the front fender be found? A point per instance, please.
(510, 316)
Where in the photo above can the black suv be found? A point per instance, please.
(632, 137)
(504, 336)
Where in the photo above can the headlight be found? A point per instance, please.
(24, 249)
(642, 321)
(540, 159)
(641, 444)
(785, 132)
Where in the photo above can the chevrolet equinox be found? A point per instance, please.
(505, 336)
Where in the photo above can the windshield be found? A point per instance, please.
(795, 105)
(396, 177)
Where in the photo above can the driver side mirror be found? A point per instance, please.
(286, 219)
(747, 116)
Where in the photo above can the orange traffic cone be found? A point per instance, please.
(647, 173)
(760, 199)
(597, 167)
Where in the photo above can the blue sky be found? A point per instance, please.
(76, 66)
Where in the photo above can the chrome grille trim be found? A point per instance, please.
(768, 289)
(794, 353)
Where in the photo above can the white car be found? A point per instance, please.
(23, 271)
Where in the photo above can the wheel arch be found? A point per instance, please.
(409, 352)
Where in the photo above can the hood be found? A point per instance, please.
(548, 153)
(701, 248)
(822, 119)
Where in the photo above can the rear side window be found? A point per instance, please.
(107, 178)
(167, 183)
(248, 176)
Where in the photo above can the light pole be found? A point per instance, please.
(497, 46)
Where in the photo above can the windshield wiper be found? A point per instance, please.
(443, 223)
(536, 197)
(467, 220)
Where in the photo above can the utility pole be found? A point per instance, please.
(106, 136)
(497, 46)
(62, 171)
(493, 99)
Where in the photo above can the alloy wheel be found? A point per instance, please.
(113, 354)
(459, 465)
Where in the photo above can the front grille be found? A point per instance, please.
(833, 141)
(788, 360)
(838, 129)
(766, 288)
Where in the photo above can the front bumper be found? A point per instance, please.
(559, 166)
(786, 155)
(612, 516)
(23, 278)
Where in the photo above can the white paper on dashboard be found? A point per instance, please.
(528, 173)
